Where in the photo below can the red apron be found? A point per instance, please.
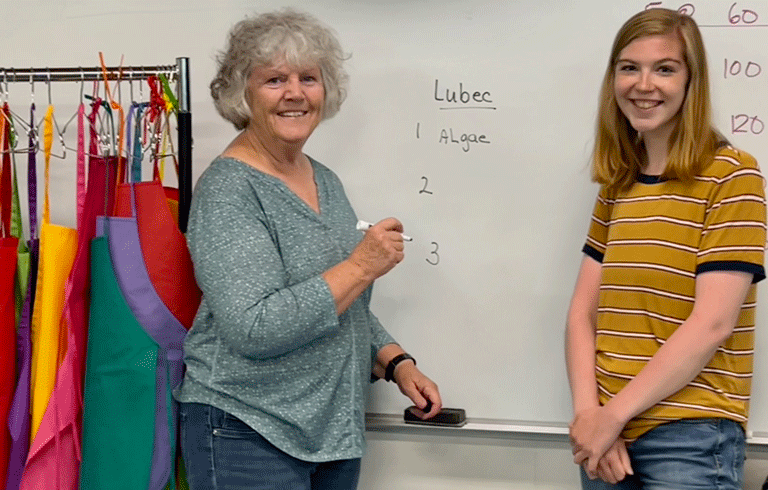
(8, 250)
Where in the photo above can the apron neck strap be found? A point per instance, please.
(32, 173)
(80, 165)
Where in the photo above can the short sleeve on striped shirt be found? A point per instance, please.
(597, 236)
(734, 232)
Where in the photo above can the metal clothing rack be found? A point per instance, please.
(179, 72)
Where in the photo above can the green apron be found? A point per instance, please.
(119, 398)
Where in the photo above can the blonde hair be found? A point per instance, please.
(618, 154)
(283, 36)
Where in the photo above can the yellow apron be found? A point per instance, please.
(58, 246)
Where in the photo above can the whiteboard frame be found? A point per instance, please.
(549, 434)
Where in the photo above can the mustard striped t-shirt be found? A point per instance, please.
(653, 239)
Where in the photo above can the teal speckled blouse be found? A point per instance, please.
(267, 345)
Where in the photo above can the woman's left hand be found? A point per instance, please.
(592, 433)
(421, 390)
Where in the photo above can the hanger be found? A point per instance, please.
(82, 102)
(133, 133)
(168, 92)
(170, 109)
(74, 115)
(141, 85)
(17, 117)
(167, 138)
(117, 142)
(5, 118)
(14, 118)
(4, 88)
(54, 122)
(134, 130)
(3, 99)
(130, 85)
(103, 126)
(153, 118)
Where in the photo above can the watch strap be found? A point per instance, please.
(389, 374)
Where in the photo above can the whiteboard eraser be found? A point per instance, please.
(447, 417)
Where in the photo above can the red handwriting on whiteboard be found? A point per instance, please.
(736, 68)
(686, 8)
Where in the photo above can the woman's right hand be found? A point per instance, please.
(381, 248)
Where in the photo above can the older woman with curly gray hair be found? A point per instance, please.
(284, 344)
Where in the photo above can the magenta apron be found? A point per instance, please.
(54, 457)
(19, 418)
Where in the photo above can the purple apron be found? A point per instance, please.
(161, 325)
(19, 418)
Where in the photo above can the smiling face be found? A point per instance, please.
(286, 103)
(650, 84)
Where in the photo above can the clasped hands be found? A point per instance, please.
(597, 446)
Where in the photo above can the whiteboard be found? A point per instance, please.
(472, 122)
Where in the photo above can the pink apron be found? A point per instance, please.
(55, 455)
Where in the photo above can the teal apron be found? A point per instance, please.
(119, 398)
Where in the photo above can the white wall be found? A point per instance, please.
(418, 462)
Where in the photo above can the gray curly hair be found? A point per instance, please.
(283, 36)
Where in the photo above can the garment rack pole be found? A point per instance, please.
(87, 74)
(178, 72)
(185, 143)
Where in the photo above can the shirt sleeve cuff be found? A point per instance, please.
(593, 252)
(757, 271)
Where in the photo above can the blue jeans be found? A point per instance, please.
(695, 454)
(223, 453)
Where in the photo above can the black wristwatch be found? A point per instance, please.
(389, 374)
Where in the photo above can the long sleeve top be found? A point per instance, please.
(267, 344)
